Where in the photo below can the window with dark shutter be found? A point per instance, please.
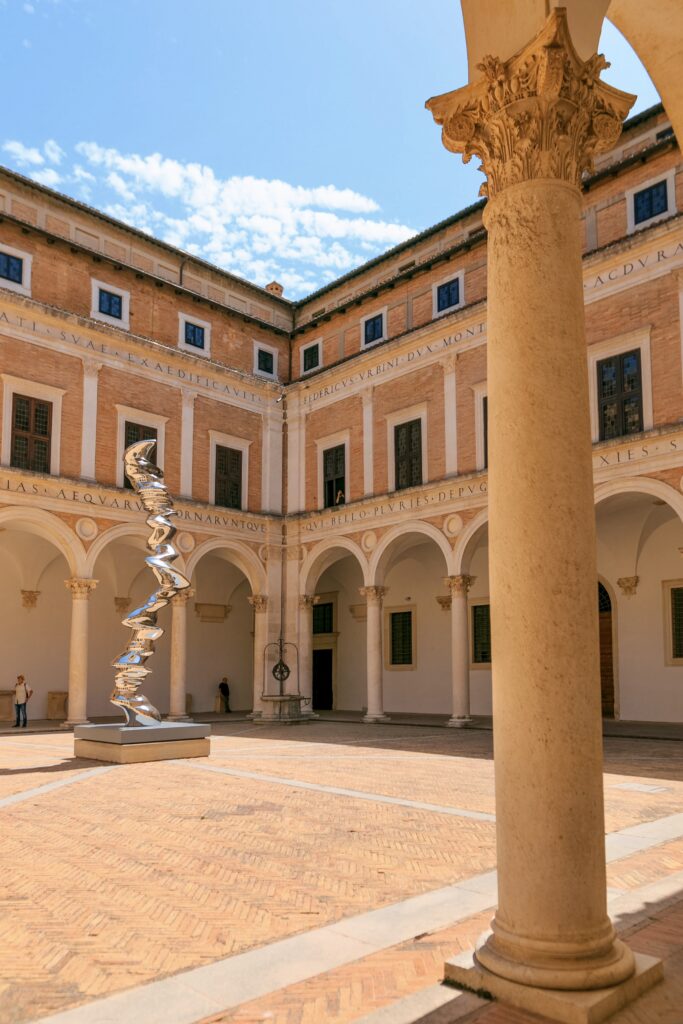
(373, 329)
(408, 454)
(650, 202)
(228, 477)
(265, 361)
(485, 417)
(448, 295)
(11, 268)
(31, 434)
(481, 634)
(194, 335)
(401, 624)
(323, 617)
(677, 622)
(110, 304)
(132, 433)
(334, 476)
(620, 395)
(311, 358)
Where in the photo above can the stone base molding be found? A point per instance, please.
(459, 722)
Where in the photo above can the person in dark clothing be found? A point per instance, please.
(224, 691)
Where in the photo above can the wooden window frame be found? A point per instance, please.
(394, 419)
(371, 316)
(22, 287)
(97, 286)
(471, 604)
(459, 276)
(388, 612)
(334, 503)
(31, 389)
(30, 435)
(241, 444)
(126, 413)
(183, 320)
(621, 396)
(322, 445)
(616, 346)
(667, 587)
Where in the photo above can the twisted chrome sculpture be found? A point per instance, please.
(147, 481)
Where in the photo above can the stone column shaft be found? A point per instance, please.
(78, 649)
(259, 603)
(535, 123)
(460, 649)
(306, 604)
(178, 687)
(374, 597)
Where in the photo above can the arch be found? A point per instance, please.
(326, 553)
(460, 550)
(614, 623)
(51, 528)
(242, 557)
(381, 554)
(642, 485)
(115, 533)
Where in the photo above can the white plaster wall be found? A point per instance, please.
(480, 678)
(642, 540)
(344, 578)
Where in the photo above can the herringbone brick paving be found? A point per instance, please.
(152, 869)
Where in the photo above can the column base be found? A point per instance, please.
(178, 718)
(71, 723)
(568, 1007)
(458, 722)
(253, 716)
(373, 719)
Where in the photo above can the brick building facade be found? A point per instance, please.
(328, 456)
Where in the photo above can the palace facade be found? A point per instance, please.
(328, 457)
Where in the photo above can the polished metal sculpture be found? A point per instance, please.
(147, 481)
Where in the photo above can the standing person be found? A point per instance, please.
(224, 691)
(21, 697)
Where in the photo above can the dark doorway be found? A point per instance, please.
(322, 680)
(606, 652)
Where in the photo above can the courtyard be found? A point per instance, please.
(316, 873)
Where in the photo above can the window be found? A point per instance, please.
(481, 634)
(228, 477)
(310, 357)
(650, 202)
(373, 329)
(408, 454)
(31, 434)
(485, 419)
(15, 270)
(677, 622)
(194, 335)
(401, 644)
(334, 476)
(448, 295)
(265, 360)
(110, 304)
(132, 433)
(665, 133)
(620, 395)
(11, 268)
(323, 617)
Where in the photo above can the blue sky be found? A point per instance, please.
(277, 139)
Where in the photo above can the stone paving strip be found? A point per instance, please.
(49, 787)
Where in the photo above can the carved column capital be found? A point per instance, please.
(29, 598)
(307, 601)
(628, 585)
(544, 113)
(183, 596)
(459, 584)
(259, 602)
(80, 588)
(373, 595)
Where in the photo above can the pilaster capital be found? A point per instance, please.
(307, 601)
(373, 595)
(29, 598)
(80, 588)
(183, 596)
(259, 602)
(366, 396)
(188, 396)
(91, 367)
(544, 113)
(459, 584)
(628, 585)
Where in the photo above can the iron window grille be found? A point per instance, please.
(401, 624)
(334, 476)
(194, 335)
(373, 329)
(132, 433)
(448, 295)
(110, 304)
(620, 395)
(31, 434)
(481, 634)
(408, 454)
(11, 268)
(228, 490)
(650, 202)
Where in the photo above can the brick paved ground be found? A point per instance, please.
(146, 870)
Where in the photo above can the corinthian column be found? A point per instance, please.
(78, 649)
(460, 649)
(536, 122)
(179, 655)
(374, 597)
(306, 604)
(259, 602)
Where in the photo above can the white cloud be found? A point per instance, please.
(23, 155)
(255, 227)
(29, 9)
(48, 176)
(53, 151)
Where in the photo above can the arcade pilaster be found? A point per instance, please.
(78, 649)
(536, 122)
(178, 688)
(259, 602)
(306, 605)
(374, 596)
(460, 649)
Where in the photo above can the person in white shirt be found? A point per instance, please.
(21, 696)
